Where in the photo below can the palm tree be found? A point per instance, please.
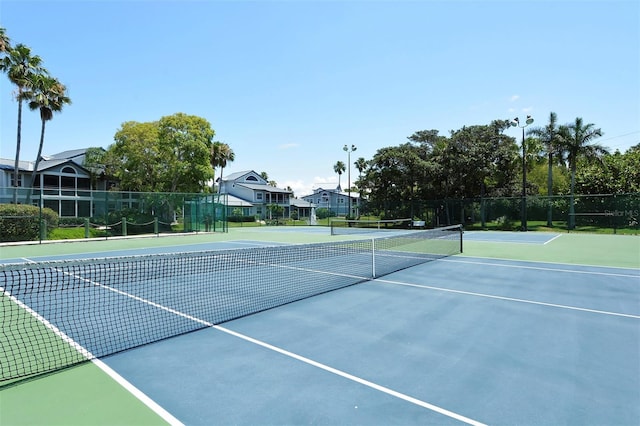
(549, 137)
(575, 139)
(361, 165)
(221, 153)
(21, 67)
(47, 95)
(339, 168)
(5, 42)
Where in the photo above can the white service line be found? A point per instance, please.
(509, 299)
(541, 268)
(353, 378)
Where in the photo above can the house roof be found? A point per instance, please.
(49, 164)
(7, 164)
(237, 202)
(239, 175)
(74, 156)
(263, 187)
(333, 191)
(66, 155)
(297, 202)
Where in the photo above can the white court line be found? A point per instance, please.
(557, 236)
(543, 268)
(172, 420)
(165, 415)
(509, 299)
(353, 378)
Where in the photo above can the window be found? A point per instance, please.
(19, 179)
(51, 181)
(251, 179)
(259, 196)
(67, 182)
(68, 208)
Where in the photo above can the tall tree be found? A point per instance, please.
(576, 139)
(548, 135)
(621, 174)
(47, 95)
(135, 159)
(361, 165)
(221, 154)
(21, 67)
(169, 155)
(339, 168)
(186, 141)
(5, 41)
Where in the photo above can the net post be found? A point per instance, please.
(373, 258)
(461, 232)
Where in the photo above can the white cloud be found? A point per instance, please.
(288, 145)
(301, 187)
(514, 98)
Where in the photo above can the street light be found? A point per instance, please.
(523, 208)
(349, 151)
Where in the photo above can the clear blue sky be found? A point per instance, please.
(287, 83)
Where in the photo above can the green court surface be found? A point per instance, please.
(86, 395)
(581, 249)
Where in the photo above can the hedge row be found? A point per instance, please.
(19, 222)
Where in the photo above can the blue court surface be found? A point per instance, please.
(456, 340)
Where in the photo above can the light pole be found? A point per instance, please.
(349, 151)
(523, 207)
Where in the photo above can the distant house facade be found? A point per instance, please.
(335, 200)
(252, 194)
(63, 184)
(61, 180)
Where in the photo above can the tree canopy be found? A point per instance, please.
(168, 155)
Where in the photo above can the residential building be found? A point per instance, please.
(63, 181)
(335, 200)
(247, 190)
(71, 190)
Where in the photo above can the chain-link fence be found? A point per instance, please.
(106, 213)
(591, 213)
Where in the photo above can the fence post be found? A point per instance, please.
(86, 227)
(43, 229)
(155, 226)
(124, 226)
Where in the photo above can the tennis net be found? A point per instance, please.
(61, 313)
(361, 226)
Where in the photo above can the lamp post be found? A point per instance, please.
(523, 207)
(349, 151)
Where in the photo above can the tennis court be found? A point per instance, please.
(545, 332)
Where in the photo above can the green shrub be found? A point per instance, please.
(19, 222)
